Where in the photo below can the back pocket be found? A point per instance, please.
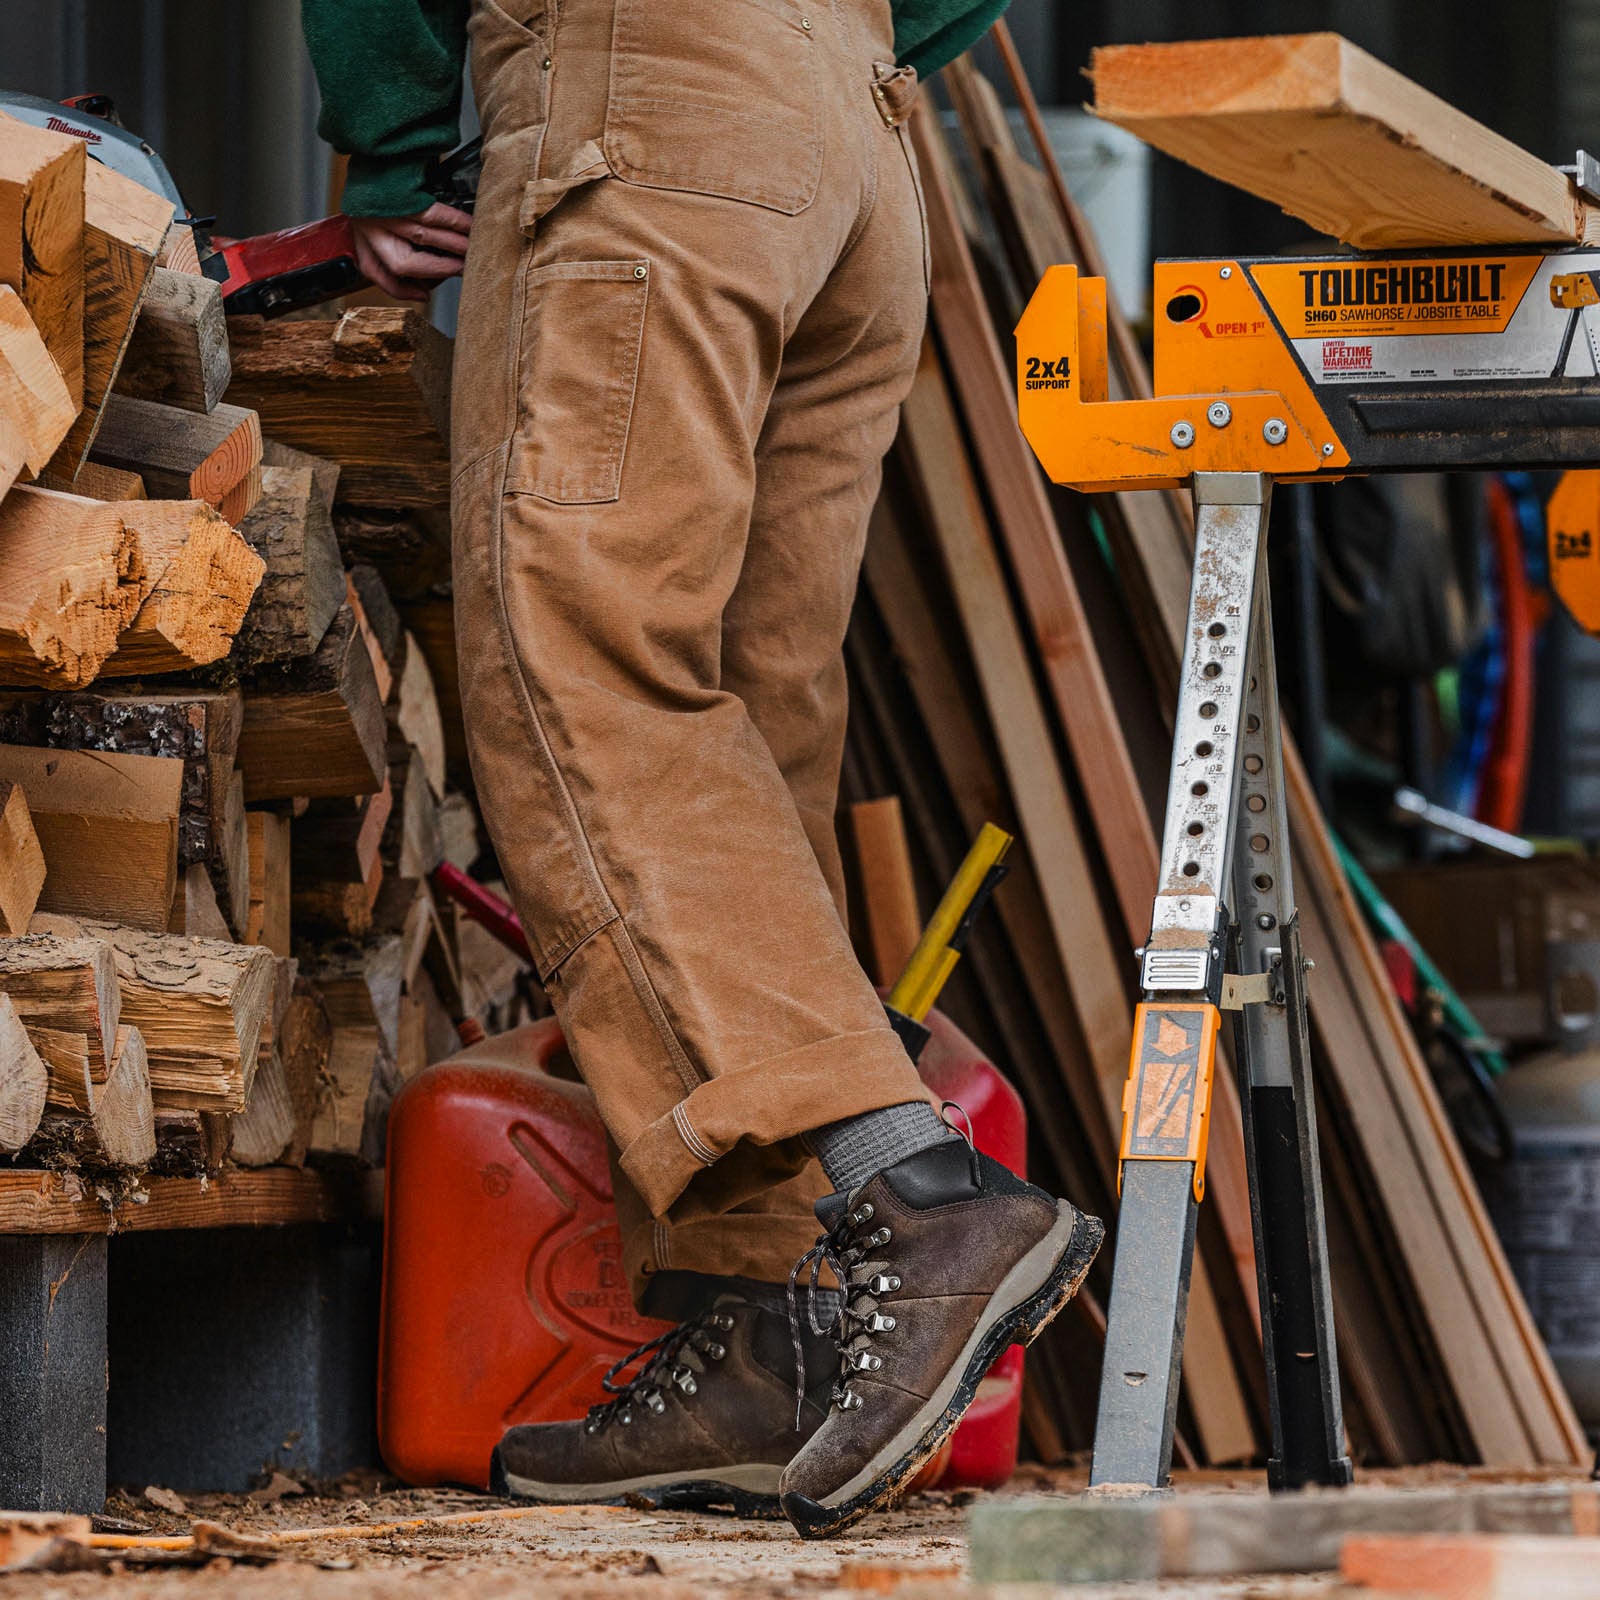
(726, 105)
(581, 338)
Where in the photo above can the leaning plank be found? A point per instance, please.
(888, 890)
(119, 1131)
(23, 1080)
(65, 991)
(42, 177)
(371, 392)
(33, 394)
(71, 579)
(124, 225)
(200, 1004)
(108, 826)
(179, 350)
(204, 576)
(318, 728)
(1472, 1566)
(181, 455)
(1337, 139)
(21, 861)
(303, 584)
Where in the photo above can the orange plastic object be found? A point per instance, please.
(503, 1296)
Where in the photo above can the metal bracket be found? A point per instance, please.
(1585, 174)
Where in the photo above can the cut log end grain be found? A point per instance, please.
(303, 585)
(71, 578)
(24, 1080)
(199, 597)
(181, 455)
(124, 1115)
(178, 351)
(66, 993)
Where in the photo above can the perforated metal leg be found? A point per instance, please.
(1224, 841)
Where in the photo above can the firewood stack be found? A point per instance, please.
(224, 765)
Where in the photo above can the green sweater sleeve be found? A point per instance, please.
(928, 33)
(390, 76)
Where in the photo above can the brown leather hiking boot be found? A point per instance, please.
(708, 1421)
(945, 1259)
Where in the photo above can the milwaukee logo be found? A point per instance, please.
(56, 125)
(1439, 283)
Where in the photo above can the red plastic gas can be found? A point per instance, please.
(503, 1294)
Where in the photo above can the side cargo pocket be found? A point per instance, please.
(581, 339)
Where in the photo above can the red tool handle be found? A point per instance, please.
(277, 272)
(485, 907)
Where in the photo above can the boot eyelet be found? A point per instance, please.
(849, 1400)
(861, 1214)
(627, 1418)
(684, 1379)
(723, 1320)
(865, 1361)
(657, 1404)
(882, 1236)
(883, 1283)
(716, 1351)
(879, 1323)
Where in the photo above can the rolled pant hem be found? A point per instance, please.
(778, 1097)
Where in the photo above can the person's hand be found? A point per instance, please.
(408, 256)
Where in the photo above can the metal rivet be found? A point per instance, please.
(1275, 430)
(1265, 922)
(1219, 413)
(805, 22)
(1327, 449)
(1182, 434)
(547, 63)
(1227, 272)
(639, 272)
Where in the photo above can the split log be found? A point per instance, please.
(71, 579)
(1337, 139)
(267, 919)
(433, 625)
(382, 621)
(199, 727)
(303, 584)
(381, 674)
(191, 1144)
(21, 861)
(371, 391)
(97, 482)
(242, 498)
(332, 907)
(230, 865)
(194, 907)
(124, 226)
(66, 993)
(275, 453)
(33, 394)
(414, 717)
(23, 1080)
(179, 350)
(458, 826)
(413, 842)
(316, 728)
(337, 840)
(42, 177)
(108, 826)
(181, 455)
(305, 1044)
(362, 989)
(119, 1131)
(204, 577)
(200, 1004)
(13, 453)
(410, 548)
(263, 1130)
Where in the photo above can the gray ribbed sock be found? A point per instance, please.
(855, 1149)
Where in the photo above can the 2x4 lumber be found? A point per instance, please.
(21, 861)
(23, 1080)
(370, 391)
(267, 920)
(108, 827)
(888, 888)
(1467, 1566)
(33, 394)
(178, 353)
(96, 482)
(65, 991)
(181, 455)
(203, 578)
(318, 727)
(124, 225)
(71, 579)
(179, 252)
(42, 177)
(303, 583)
(1337, 139)
(199, 1003)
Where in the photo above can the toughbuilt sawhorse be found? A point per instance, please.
(1295, 369)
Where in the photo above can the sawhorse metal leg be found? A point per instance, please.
(1225, 890)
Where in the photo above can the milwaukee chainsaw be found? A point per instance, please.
(271, 273)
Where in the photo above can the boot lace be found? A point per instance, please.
(673, 1360)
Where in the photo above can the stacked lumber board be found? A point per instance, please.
(1013, 658)
(223, 765)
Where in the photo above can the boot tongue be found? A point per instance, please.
(830, 1208)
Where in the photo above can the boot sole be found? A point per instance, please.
(1021, 1324)
(662, 1493)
